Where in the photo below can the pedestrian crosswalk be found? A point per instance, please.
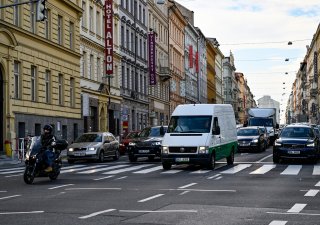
(122, 168)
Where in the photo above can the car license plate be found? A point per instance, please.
(144, 151)
(244, 144)
(294, 152)
(182, 159)
(79, 153)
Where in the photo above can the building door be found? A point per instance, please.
(1, 110)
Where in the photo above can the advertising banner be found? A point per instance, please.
(152, 58)
(108, 11)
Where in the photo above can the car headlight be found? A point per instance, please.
(132, 144)
(203, 150)
(277, 144)
(165, 150)
(311, 144)
(156, 143)
(254, 141)
(70, 149)
(91, 149)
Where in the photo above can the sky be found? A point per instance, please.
(257, 33)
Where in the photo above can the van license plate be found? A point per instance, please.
(294, 152)
(182, 159)
(144, 151)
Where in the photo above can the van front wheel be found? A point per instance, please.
(166, 166)
(212, 163)
(230, 158)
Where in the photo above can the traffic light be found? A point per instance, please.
(41, 10)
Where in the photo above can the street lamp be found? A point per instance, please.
(290, 43)
(287, 59)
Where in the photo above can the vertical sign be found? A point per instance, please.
(190, 56)
(315, 66)
(152, 58)
(108, 12)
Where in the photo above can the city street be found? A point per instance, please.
(252, 191)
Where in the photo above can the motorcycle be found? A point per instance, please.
(35, 164)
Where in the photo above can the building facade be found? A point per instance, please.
(211, 80)
(201, 67)
(40, 71)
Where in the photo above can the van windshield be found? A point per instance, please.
(190, 124)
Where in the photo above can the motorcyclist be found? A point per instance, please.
(47, 142)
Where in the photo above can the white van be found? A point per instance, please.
(200, 134)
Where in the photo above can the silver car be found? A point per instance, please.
(93, 146)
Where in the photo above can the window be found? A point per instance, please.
(123, 76)
(91, 18)
(47, 87)
(128, 78)
(16, 14)
(127, 38)
(144, 16)
(60, 89)
(84, 15)
(91, 72)
(33, 17)
(132, 42)
(140, 13)
(72, 90)
(98, 30)
(71, 35)
(84, 64)
(33, 83)
(122, 36)
(47, 24)
(99, 67)
(60, 30)
(16, 80)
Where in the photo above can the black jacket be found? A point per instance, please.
(46, 141)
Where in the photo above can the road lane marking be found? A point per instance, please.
(200, 171)
(82, 168)
(318, 184)
(292, 170)
(218, 178)
(127, 169)
(145, 171)
(297, 208)
(263, 169)
(12, 213)
(56, 187)
(312, 193)
(12, 171)
(278, 222)
(16, 175)
(150, 198)
(171, 171)
(73, 189)
(188, 185)
(102, 178)
(96, 213)
(102, 169)
(3, 191)
(316, 170)
(264, 158)
(217, 175)
(236, 169)
(159, 211)
(199, 190)
(120, 178)
(72, 167)
(12, 196)
(185, 192)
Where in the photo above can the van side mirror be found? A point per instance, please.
(216, 131)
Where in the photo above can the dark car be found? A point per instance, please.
(148, 144)
(296, 142)
(250, 139)
(94, 146)
(129, 137)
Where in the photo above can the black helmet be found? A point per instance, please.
(48, 127)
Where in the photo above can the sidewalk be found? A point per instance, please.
(6, 161)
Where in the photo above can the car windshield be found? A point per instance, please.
(132, 135)
(267, 122)
(190, 124)
(89, 138)
(152, 132)
(248, 132)
(297, 132)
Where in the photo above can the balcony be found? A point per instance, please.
(164, 73)
(313, 92)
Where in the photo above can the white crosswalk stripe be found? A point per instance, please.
(236, 169)
(145, 171)
(126, 169)
(102, 169)
(316, 170)
(292, 170)
(263, 169)
(79, 169)
(171, 171)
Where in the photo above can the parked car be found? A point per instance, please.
(129, 137)
(251, 139)
(148, 144)
(296, 142)
(94, 146)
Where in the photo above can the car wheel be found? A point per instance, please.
(151, 158)
(101, 156)
(70, 161)
(116, 154)
(230, 158)
(132, 158)
(166, 166)
(212, 164)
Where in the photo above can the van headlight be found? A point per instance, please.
(70, 149)
(165, 150)
(310, 144)
(203, 150)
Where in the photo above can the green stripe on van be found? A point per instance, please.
(224, 150)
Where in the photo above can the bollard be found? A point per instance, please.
(7, 145)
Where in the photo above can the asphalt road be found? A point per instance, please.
(252, 191)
